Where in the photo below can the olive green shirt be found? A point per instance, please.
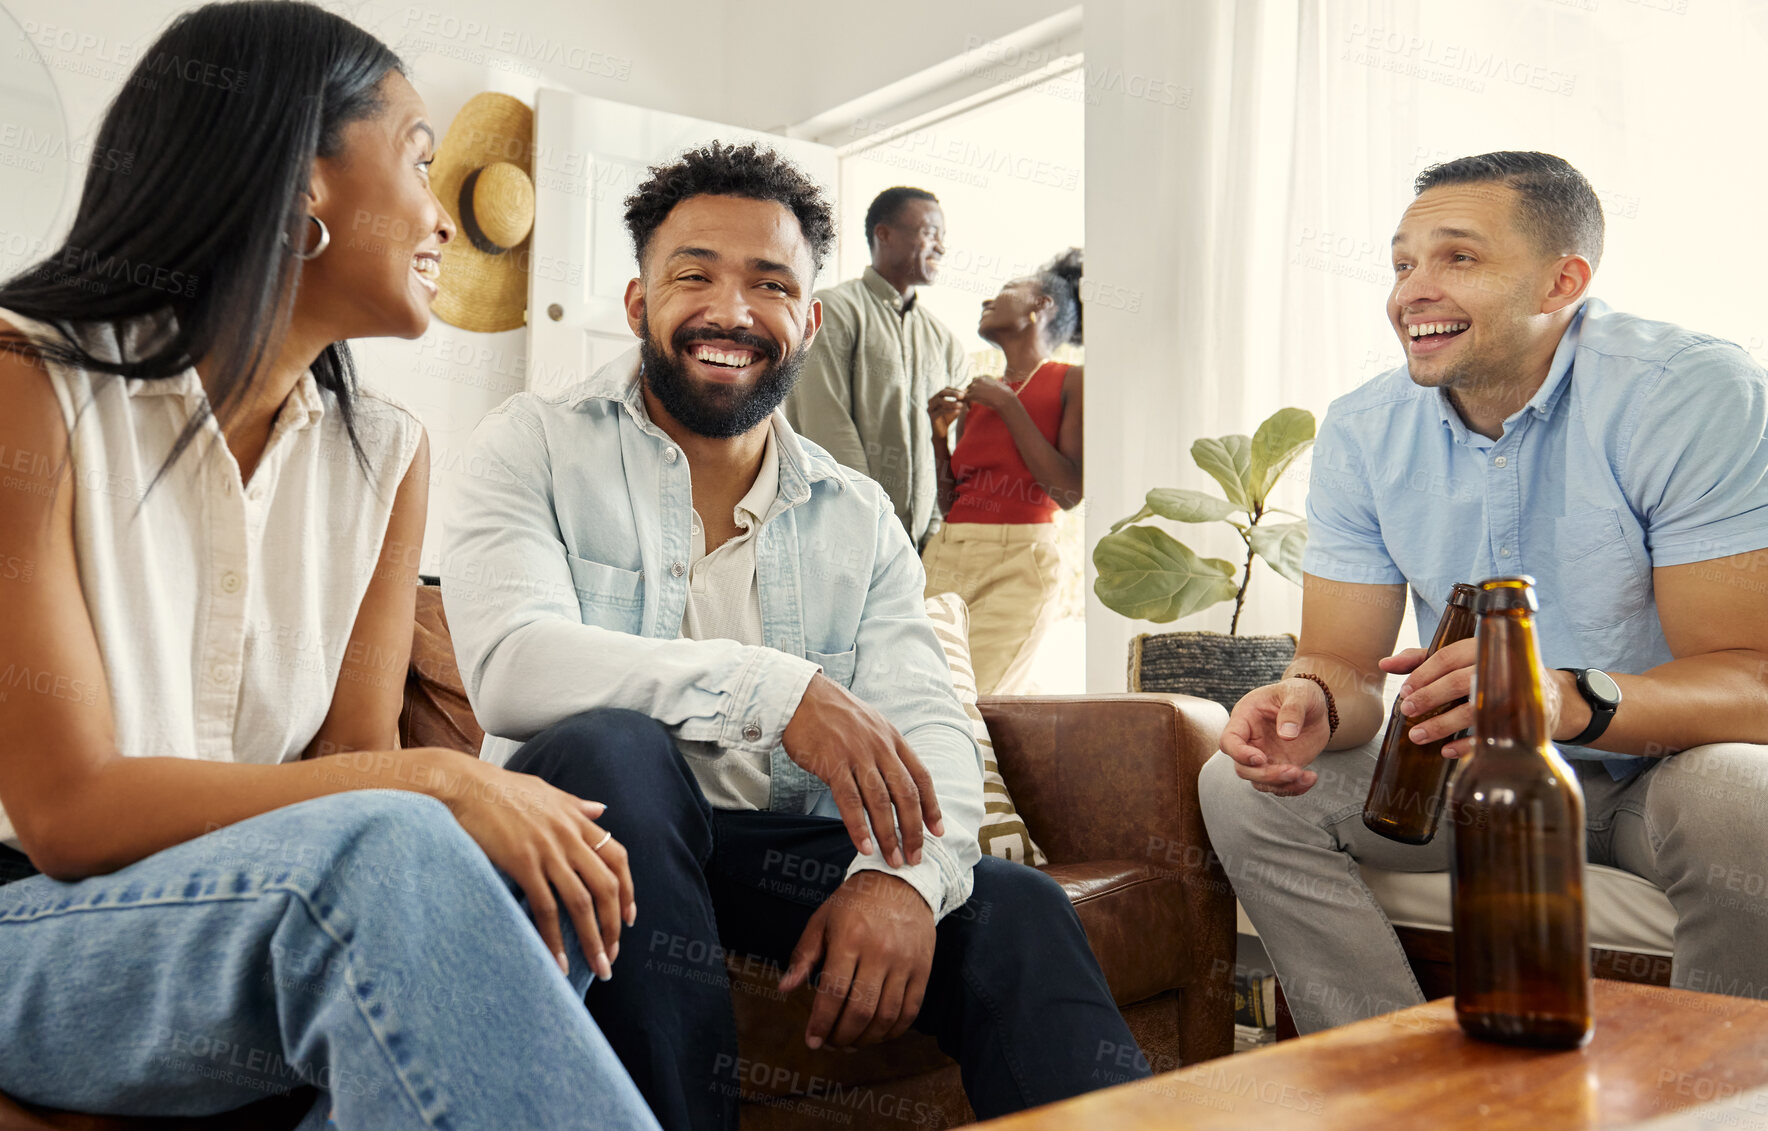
(863, 392)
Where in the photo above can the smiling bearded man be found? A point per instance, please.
(678, 608)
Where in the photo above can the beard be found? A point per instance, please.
(717, 412)
(1497, 362)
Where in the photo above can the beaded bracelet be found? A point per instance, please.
(1331, 704)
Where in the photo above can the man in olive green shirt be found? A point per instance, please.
(868, 377)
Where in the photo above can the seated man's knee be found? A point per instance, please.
(604, 747)
(1009, 893)
(1228, 801)
(1710, 799)
(625, 759)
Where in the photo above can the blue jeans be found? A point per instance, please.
(361, 943)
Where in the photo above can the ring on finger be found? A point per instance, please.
(597, 846)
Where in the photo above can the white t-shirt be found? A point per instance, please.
(222, 610)
(724, 603)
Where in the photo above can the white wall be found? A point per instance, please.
(844, 49)
(762, 67)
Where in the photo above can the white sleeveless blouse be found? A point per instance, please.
(222, 610)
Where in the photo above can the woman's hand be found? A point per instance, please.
(990, 393)
(544, 839)
(946, 408)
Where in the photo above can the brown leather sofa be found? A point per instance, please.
(1106, 785)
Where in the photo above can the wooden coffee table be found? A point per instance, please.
(1656, 1051)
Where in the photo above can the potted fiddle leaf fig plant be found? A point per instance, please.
(1147, 574)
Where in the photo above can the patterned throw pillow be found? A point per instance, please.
(1003, 831)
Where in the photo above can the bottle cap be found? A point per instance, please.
(1464, 595)
(1500, 594)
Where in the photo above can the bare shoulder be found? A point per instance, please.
(31, 422)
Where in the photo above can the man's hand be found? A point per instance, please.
(875, 936)
(1274, 732)
(1443, 678)
(1448, 676)
(946, 408)
(868, 767)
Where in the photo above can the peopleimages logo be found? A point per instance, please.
(1468, 64)
(69, 41)
(517, 44)
(85, 263)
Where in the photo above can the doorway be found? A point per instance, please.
(1009, 172)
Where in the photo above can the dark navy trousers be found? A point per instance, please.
(1015, 995)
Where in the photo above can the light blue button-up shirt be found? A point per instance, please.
(1646, 446)
(565, 579)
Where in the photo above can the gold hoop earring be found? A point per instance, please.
(1034, 318)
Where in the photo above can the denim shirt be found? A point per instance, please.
(565, 579)
(1646, 446)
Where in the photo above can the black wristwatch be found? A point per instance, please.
(1604, 696)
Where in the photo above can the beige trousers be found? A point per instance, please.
(1008, 575)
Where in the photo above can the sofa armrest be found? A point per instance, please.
(1108, 777)
(1114, 778)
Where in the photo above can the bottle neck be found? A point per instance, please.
(1508, 704)
(1458, 623)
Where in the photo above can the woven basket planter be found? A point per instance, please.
(1208, 665)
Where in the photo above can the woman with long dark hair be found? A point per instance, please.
(225, 879)
(1017, 461)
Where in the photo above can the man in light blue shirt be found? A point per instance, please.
(680, 610)
(1623, 464)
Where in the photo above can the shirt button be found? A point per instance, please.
(1500, 462)
(218, 673)
(230, 582)
(751, 733)
(669, 455)
(677, 570)
(1504, 551)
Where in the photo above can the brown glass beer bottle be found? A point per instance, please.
(1406, 795)
(1522, 956)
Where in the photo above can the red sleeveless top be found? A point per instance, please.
(993, 483)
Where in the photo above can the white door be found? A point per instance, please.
(589, 154)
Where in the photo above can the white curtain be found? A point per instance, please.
(1237, 233)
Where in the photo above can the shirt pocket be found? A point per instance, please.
(608, 597)
(1602, 580)
(838, 666)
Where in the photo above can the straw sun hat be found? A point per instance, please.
(484, 175)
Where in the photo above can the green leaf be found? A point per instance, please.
(1145, 512)
(1281, 545)
(1229, 460)
(1181, 505)
(1145, 574)
(1275, 445)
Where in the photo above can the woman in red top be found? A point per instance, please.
(1016, 461)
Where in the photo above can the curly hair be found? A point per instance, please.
(1558, 209)
(1060, 279)
(721, 169)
